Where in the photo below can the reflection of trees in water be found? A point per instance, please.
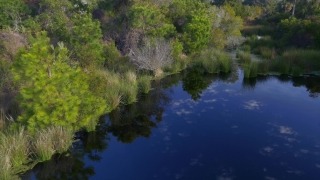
(92, 143)
(132, 121)
(250, 83)
(62, 167)
(196, 80)
(311, 83)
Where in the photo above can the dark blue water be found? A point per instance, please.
(201, 126)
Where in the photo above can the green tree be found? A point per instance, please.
(12, 12)
(51, 92)
(54, 17)
(86, 41)
(149, 19)
(197, 32)
(193, 20)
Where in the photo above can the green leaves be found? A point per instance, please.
(148, 18)
(197, 32)
(11, 12)
(51, 92)
(86, 41)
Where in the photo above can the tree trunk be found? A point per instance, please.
(294, 7)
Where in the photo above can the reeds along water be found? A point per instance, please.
(18, 148)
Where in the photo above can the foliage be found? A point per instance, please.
(148, 18)
(54, 17)
(51, 92)
(226, 28)
(193, 21)
(197, 32)
(86, 41)
(12, 13)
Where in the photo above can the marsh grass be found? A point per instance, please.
(43, 146)
(292, 62)
(267, 53)
(50, 141)
(129, 87)
(16, 147)
(309, 60)
(5, 164)
(250, 70)
(144, 83)
(14, 152)
(214, 61)
(62, 138)
(244, 57)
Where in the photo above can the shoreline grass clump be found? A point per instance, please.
(250, 70)
(14, 152)
(267, 53)
(50, 141)
(214, 61)
(244, 57)
(129, 87)
(16, 145)
(144, 83)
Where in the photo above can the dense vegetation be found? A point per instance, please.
(285, 37)
(64, 63)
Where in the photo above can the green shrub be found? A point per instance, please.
(51, 92)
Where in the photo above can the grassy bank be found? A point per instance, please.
(19, 150)
(293, 62)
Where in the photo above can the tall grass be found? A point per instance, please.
(129, 87)
(16, 147)
(144, 83)
(292, 62)
(250, 70)
(14, 152)
(267, 53)
(43, 146)
(52, 140)
(309, 60)
(244, 57)
(214, 61)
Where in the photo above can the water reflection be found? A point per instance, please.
(61, 167)
(132, 121)
(196, 80)
(312, 84)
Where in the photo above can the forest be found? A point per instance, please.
(65, 63)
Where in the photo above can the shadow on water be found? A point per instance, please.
(137, 120)
(127, 123)
(311, 83)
